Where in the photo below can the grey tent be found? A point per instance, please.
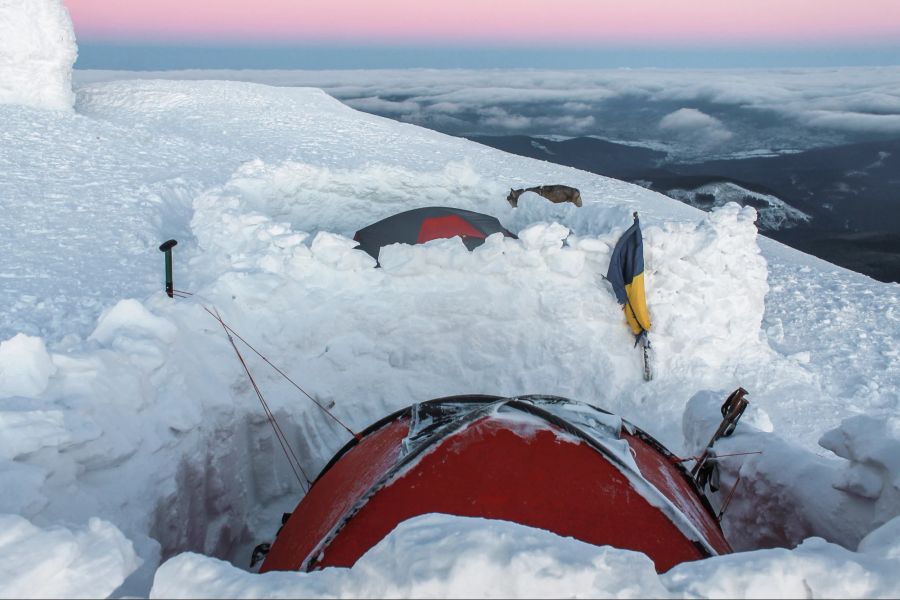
(420, 225)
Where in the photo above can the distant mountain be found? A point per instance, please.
(774, 213)
(589, 154)
(840, 203)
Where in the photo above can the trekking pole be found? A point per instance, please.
(167, 248)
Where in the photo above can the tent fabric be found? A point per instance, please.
(626, 274)
(447, 227)
(542, 461)
(424, 224)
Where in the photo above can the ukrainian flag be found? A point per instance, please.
(626, 274)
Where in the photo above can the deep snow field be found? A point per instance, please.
(135, 459)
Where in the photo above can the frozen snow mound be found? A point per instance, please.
(61, 563)
(442, 556)
(25, 366)
(37, 52)
(436, 556)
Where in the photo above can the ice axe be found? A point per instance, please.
(732, 409)
(167, 248)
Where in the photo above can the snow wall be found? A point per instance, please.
(37, 52)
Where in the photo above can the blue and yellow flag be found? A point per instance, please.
(626, 274)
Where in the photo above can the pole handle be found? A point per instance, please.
(166, 247)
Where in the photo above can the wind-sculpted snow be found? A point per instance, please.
(37, 51)
(61, 563)
(121, 404)
(439, 556)
(25, 366)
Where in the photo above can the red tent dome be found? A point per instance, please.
(421, 225)
(541, 461)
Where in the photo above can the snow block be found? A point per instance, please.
(25, 366)
(37, 52)
(872, 448)
(61, 563)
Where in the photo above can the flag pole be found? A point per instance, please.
(648, 372)
(628, 255)
(643, 336)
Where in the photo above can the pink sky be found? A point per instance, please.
(502, 22)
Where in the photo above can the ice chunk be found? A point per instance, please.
(25, 366)
(544, 235)
(130, 318)
(61, 563)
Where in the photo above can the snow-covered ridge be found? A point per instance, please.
(136, 411)
(774, 213)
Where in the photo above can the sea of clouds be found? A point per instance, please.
(688, 111)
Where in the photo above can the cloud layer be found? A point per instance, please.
(691, 124)
(738, 110)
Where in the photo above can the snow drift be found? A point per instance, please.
(37, 52)
(438, 556)
(60, 563)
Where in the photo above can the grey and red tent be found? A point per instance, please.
(542, 461)
(421, 225)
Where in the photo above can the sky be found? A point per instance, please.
(466, 32)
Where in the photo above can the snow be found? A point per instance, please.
(788, 493)
(37, 52)
(130, 433)
(774, 213)
(436, 556)
(25, 366)
(57, 562)
(431, 555)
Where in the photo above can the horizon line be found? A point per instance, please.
(139, 56)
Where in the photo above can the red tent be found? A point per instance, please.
(422, 225)
(541, 461)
